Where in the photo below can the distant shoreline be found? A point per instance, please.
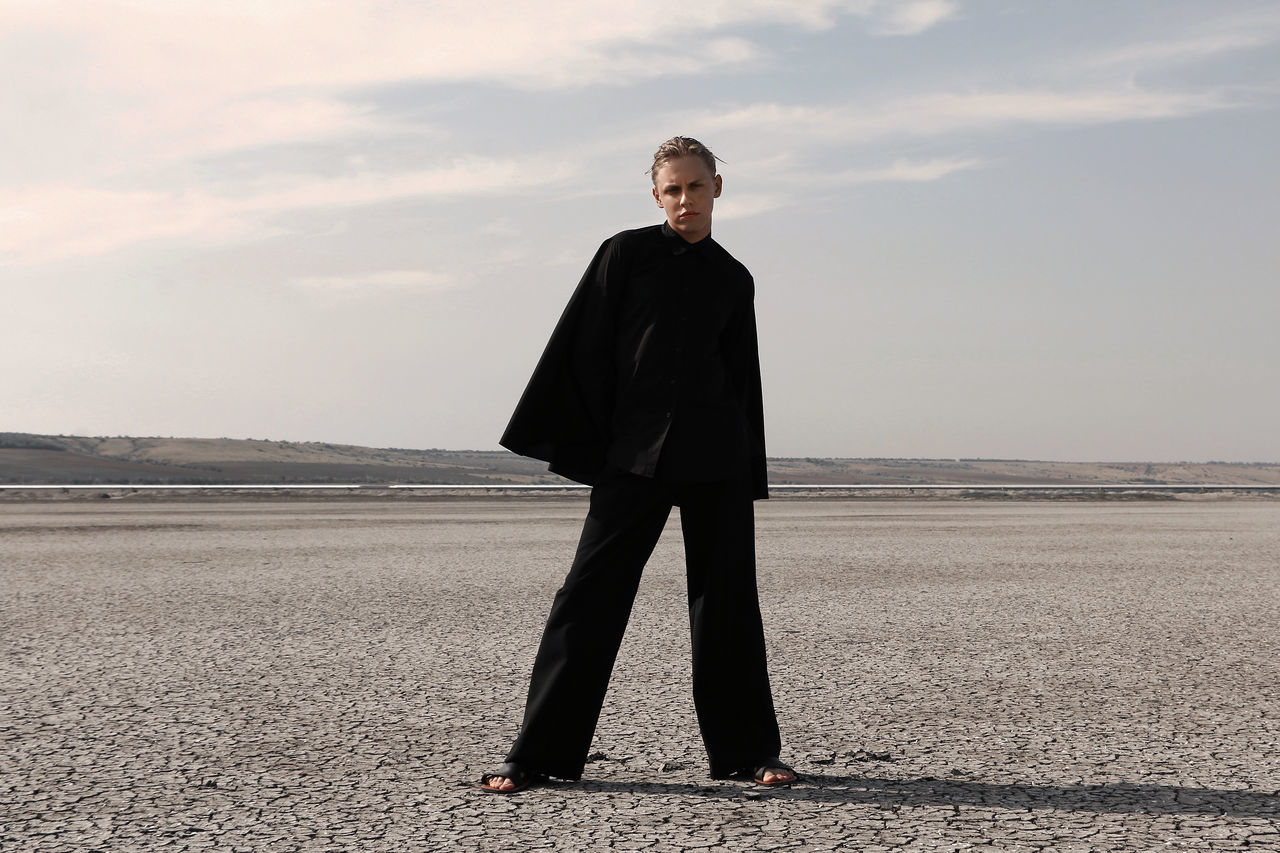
(123, 461)
(18, 493)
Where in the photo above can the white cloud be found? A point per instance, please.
(378, 280)
(54, 221)
(912, 18)
(744, 206)
(1049, 107)
(736, 206)
(113, 101)
(239, 46)
(1183, 50)
(156, 86)
(1244, 32)
(906, 170)
(629, 64)
(64, 220)
(186, 129)
(44, 222)
(943, 113)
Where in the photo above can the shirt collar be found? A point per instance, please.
(678, 244)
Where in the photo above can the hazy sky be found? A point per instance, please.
(1002, 229)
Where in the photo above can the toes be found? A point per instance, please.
(499, 783)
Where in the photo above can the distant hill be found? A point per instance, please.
(60, 459)
(26, 458)
(997, 472)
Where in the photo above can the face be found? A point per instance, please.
(685, 190)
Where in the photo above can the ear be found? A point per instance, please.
(656, 197)
(718, 184)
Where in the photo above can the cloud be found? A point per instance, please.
(937, 114)
(1239, 33)
(62, 220)
(239, 46)
(907, 170)
(45, 222)
(747, 205)
(808, 134)
(378, 280)
(114, 105)
(627, 64)
(1183, 50)
(911, 18)
(173, 80)
(66, 220)
(189, 129)
(117, 140)
(756, 204)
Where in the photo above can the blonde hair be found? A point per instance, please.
(681, 146)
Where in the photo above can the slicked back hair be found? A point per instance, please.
(681, 146)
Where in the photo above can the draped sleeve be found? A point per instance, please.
(564, 414)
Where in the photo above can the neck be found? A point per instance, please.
(698, 237)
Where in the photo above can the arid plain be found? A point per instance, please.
(49, 459)
(334, 675)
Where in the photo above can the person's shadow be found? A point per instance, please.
(1117, 797)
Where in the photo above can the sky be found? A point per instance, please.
(978, 228)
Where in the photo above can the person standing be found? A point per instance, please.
(649, 392)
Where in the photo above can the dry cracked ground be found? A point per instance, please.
(335, 675)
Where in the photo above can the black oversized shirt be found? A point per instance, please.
(653, 368)
(681, 307)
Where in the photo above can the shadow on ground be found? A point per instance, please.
(1119, 797)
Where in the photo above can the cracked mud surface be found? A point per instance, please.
(336, 676)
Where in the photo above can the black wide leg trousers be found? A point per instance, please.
(590, 612)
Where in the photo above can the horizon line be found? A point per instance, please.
(503, 450)
(577, 486)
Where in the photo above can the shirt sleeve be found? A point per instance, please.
(593, 361)
(563, 415)
(742, 361)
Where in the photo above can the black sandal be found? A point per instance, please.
(520, 776)
(757, 775)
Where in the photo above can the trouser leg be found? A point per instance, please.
(588, 618)
(730, 672)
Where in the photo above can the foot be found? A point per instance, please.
(509, 778)
(497, 783)
(773, 772)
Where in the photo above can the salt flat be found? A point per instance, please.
(334, 675)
